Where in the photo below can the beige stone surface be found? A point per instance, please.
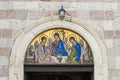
(4, 60)
(3, 78)
(18, 17)
(5, 51)
(52, 22)
(4, 71)
(109, 34)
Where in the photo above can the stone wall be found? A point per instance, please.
(15, 15)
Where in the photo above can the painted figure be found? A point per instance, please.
(30, 54)
(36, 52)
(44, 53)
(59, 46)
(75, 55)
(83, 54)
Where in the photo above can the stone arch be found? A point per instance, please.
(16, 71)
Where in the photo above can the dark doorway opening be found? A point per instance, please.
(59, 76)
(58, 72)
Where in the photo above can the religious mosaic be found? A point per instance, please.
(58, 46)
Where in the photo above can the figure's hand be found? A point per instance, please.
(74, 58)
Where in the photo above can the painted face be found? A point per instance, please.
(44, 41)
(56, 37)
(72, 41)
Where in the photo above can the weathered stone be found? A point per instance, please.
(114, 78)
(4, 42)
(34, 15)
(109, 15)
(107, 25)
(2, 14)
(7, 33)
(22, 14)
(114, 62)
(11, 14)
(3, 78)
(117, 14)
(114, 72)
(114, 51)
(116, 25)
(117, 43)
(109, 43)
(69, 0)
(4, 71)
(117, 34)
(4, 51)
(97, 15)
(109, 34)
(45, 0)
(4, 60)
(82, 14)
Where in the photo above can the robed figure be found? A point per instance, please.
(75, 54)
(44, 53)
(58, 46)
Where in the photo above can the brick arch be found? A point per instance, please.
(16, 71)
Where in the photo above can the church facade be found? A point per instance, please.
(33, 35)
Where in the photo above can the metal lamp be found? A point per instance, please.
(62, 13)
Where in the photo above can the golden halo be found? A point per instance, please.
(56, 31)
(43, 35)
(72, 35)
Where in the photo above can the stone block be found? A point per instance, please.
(114, 72)
(4, 61)
(82, 14)
(48, 0)
(32, 5)
(114, 62)
(116, 24)
(72, 13)
(2, 14)
(97, 15)
(14, 24)
(117, 14)
(117, 34)
(4, 24)
(114, 51)
(7, 33)
(34, 15)
(107, 25)
(11, 14)
(4, 71)
(117, 43)
(3, 78)
(109, 34)
(118, 5)
(109, 15)
(22, 14)
(114, 77)
(109, 43)
(4, 42)
(4, 51)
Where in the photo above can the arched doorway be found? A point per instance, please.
(29, 33)
(58, 54)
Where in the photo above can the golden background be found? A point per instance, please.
(64, 33)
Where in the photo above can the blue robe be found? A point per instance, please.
(44, 48)
(60, 49)
(78, 50)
